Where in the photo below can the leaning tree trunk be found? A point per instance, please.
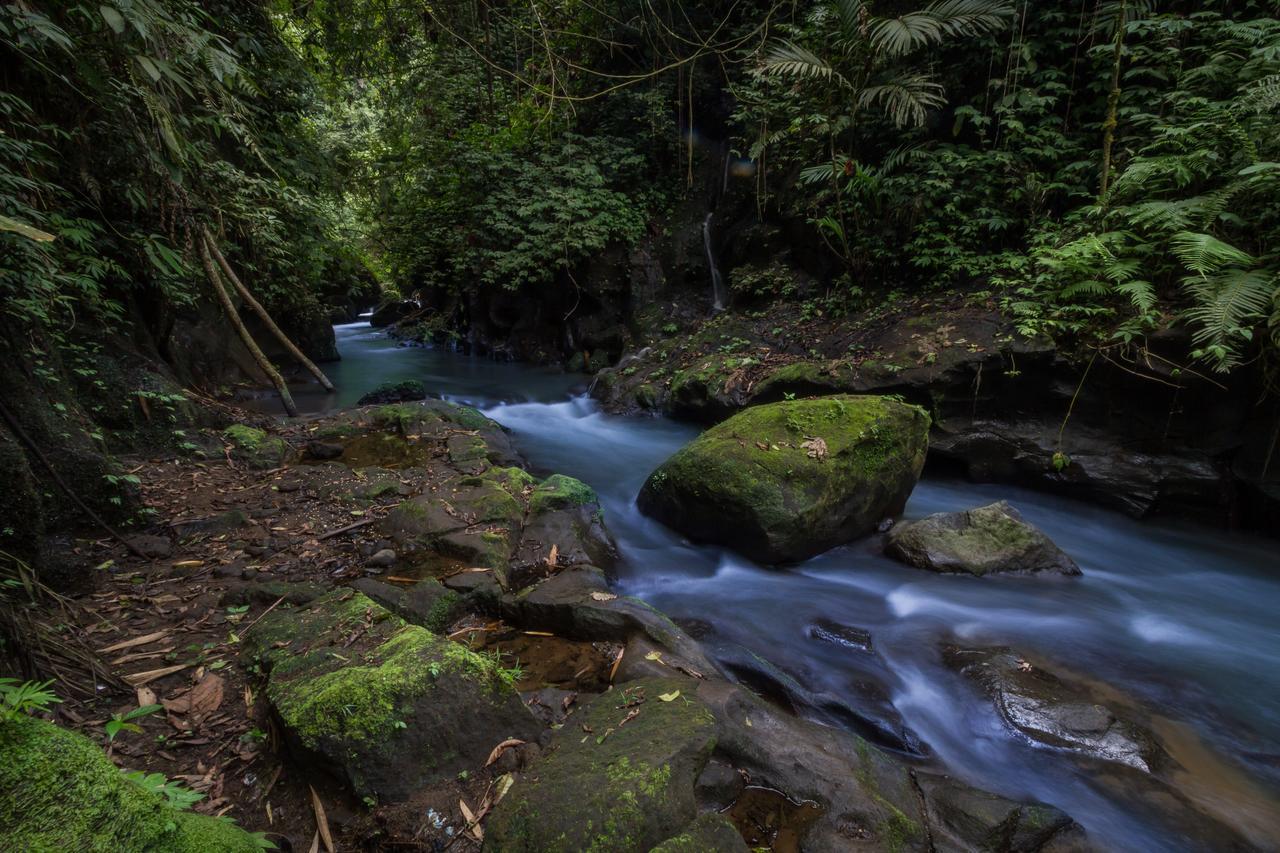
(274, 375)
(262, 313)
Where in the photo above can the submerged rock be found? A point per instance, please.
(987, 540)
(387, 706)
(619, 776)
(58, 791)
(786, 481)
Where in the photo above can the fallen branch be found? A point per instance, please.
(215, 279)
(257, 308)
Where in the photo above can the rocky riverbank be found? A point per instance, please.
(385, 615)
(1129, 427)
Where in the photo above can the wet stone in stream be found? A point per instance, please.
(770, 819)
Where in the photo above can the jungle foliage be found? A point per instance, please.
(1101, 169)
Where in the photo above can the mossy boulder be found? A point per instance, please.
(394, 392)
(785, 481)
(618, 777)
(386, 706)
(986, 540)
(58, 791)
(255, 447)
(565, 513)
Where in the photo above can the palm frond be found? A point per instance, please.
(789, 59)
(936, 23)
(906, 99)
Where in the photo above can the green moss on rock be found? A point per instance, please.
(256, 447)
(980, 541)
(59, 792)
(710, 832)
(623, 787)
(785, 481)
(561, 492)
(390, 706)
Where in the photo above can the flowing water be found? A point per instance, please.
(1179, 618)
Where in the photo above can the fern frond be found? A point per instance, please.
(1262, 96)
(1205, 254)
(1226, 307)
(1141, 294)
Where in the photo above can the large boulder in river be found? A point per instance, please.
(789, 480)
(987, 540)
(386, 706)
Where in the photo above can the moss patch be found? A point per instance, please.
(391, 705)
(623, 787)
(561, 492)
(255, 446)
(58, 792)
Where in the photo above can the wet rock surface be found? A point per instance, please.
(992, 539)
(789, 480)
(1052, 711)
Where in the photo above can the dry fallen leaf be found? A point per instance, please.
(146, 696)
(500, 788)
(816, 447)
(553, 556)
(473, 825)
(322, 822)
(603, 596)
(669, 697)
(501, 748)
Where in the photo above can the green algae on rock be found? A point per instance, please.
(255, 447)
(627, 785)
(710, 831)
(388, 706)
(59, 792)
(785, 481)
(986, 540)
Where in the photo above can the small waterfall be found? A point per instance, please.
(718, 295)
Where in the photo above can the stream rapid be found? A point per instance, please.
(1179, 618)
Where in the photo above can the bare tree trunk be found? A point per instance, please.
(274, 375)
(1113, 100)
(263, 315)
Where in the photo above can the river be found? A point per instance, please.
(1181, 618)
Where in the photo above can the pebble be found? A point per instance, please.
(384, 558)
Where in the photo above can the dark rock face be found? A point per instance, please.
(786, 481)
(1093, 465)
(627, 786)
(395, 392)
(868, 799)
(987, 540)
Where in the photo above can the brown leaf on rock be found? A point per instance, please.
(816, 447)
(501, 748)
